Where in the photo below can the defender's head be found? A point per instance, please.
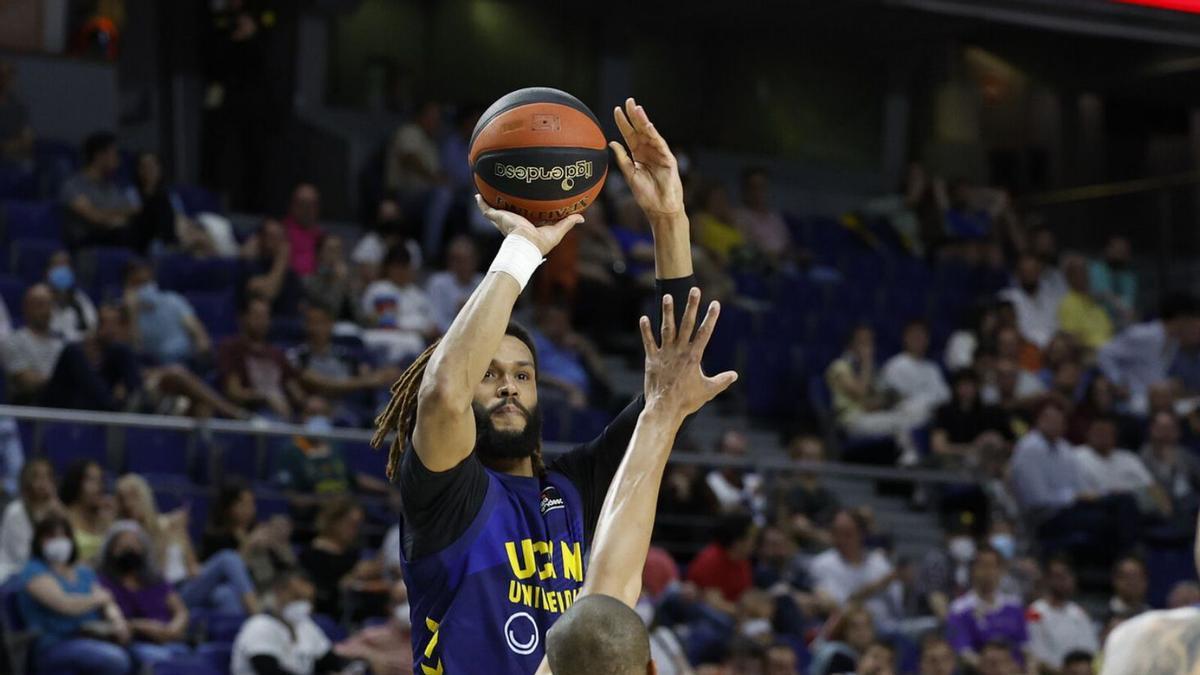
(599, 635)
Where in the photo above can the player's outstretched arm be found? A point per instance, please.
(652, 174)
(445, 427)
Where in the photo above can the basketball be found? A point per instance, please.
(539, 152)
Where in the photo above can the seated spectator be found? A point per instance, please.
(414, 173)
(331, 286)
(1062, 350)
(334, 562)
(632, 231)
(803, 505)
(1058, 626)
(397, 304)
(724, 565)
(222, 583)
(1108, 470)
(857, 403)
(984, 614)
(1044, 245)
(996, 658)
(937, 656)
(303, 230)
(284, 638)
(16, 135)
(78, 626)
(779, 566)
(1099, 400)
(265, 547)
(714, 227)
(1174, 468)
(1080, 314)
(964, 428)
(337, 371)
(1035, 303)
(96, 210)
(86, 506)
(1079, 663)
(684, 496)
(568, 362)
(846, 639)
(167, 330)
(266, 270)
(448, 290)
(781, 659)
(1053, 494)
(736, 488)
(254, 373)
(1183, 594)
(160, 222)
(975, 336)
(849, 572)
(762, 225)
(74, 316)
(1129, 584)
(157, 617)
(38, 497)
(945, 572)
(1114, 282)
(1142, 354)
(388, 228)
(879, 659)
(912, 376)
(377, 644)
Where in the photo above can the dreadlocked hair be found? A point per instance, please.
(400, 414)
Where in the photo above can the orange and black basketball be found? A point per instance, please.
(539, 152)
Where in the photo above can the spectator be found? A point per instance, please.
(377, 645)
(1107, 470)
(984, 613)
(414, 173)
(1114, 282)
(267, 272)
(157, 617)
(1080, 315)
(1014, 391)
(724, 565)
(87, 506)
(449, 290)
(1052, 492)
(1174, 468)
(38, 497)
(78, 626)
(96, 209)
(1099, 400)
(16, 135)
(397, 304)
(804, 506)
(633, 235)
(851, 573)
(160, 221)
(337, 370)
(1044, 245)
(1142, 354)
(684, 496)
(1079, 663)
(964, 429)
(715, 228)
(879, 659)
(264, 547)
(303, 230)
(255, 374)
(221, 584)
(763, 226)
(1129, 588)
(333, 559)
(453, 149)
(781, 660)
(777, 561)
(996, 658)
(167, 330)
(850, 635)
(937, 656)
(74, 316)
(736, 488)
(975, 336)
(1036, 303)
(912, 376)
(1184, 594)
(856, 398)
(388, 229)
(945, 572)
(1058, 626)
(284, 639)
(331, 286)
(567, 361)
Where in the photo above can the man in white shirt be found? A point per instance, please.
(849, 573)
(449, 290)
(1058, 626)
(1142, 355)
(736, 488)
(1108, 470)
(398, 309)
(913, 375)
(1036, 304)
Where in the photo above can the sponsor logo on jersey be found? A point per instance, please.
(552, 500)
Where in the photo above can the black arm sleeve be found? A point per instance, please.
(438, 506)
(267, 665)
(591, 467)
(330, 663)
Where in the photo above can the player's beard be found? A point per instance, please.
(493, 443)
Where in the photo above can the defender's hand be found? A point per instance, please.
(673, 375)
(649, 167)
(545, 237)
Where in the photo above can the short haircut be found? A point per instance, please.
(732, 527)
(997, 643)
(134, 266)
(1060, 559)
(397, 255)
(598, 635)
(986, 549)
(965, 375)
(96, 144)
(916, 322)
(932, 639)
(1116, 565)
(1077, 656)
(1103, 418)
(287, 575)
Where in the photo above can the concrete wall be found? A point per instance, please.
(67, 98)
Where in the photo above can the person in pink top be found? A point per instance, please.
(303, 232)
(761, 224)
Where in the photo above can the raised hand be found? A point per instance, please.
(649, 166)
(545, 237)
(674, 378)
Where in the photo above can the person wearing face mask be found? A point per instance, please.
(73, 316)
(284, 640)
(377, 645)
(78, 625)
(157, 616)
(166, 330)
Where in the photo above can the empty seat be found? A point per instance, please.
(30, 256)
(217, 654)
(65, 443)
(197, 200)
(12, 291)
(103, 268)
(182, 272)
(32, 220)
(216, 310)
(156, 452)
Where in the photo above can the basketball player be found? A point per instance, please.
(1161, 642)
(601, 634)
(494, 542)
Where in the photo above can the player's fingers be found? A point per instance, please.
(560, 229)
(647, 336)
(625, 127)
(624, 163)
(495, 216)
(720, 382)
(687, 325)
(700, 343)
(668, 320)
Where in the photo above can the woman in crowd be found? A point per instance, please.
(264, 547)
(79, 627)
(74, 314)
(38, 497)
(849, 636)
(333, 560)
(88, 508)
(222, 583)
(156, 615)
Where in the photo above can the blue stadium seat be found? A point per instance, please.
(223, 627)
(332, 629)
(12, 291)
(32, 220)
(182, 272)
(55, 161)
(104, 267)
(216, 310)
(185, 665)
(64, 443)
(30, 256)
(286, 331)
(362, 458)
(239, 456)
(157, 452)
(218, 655)
(198, 200)
(16, 182)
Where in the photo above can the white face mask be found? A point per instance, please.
(57, 550)
(401, 615)
(962, 549)
(755, 628)
(296, 611)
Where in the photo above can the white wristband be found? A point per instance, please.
(518, 258)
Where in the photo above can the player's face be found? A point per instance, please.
(509, 388)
